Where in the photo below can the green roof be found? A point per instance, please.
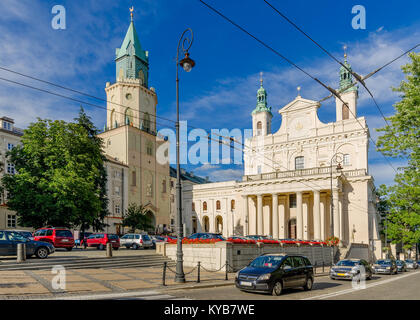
(131, 38)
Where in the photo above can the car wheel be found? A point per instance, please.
(41, 252)
(101, 247)
(277, 288)
(308, 285)
(135, 246)
(69, 249)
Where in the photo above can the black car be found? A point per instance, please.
(349, 268)
(271, 273)
(10, 239)
(387, 266)
(202, 235)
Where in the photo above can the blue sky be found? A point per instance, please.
(220, 91)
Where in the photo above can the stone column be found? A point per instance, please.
(317, 217)
(260, 225)
(305, 214)
(282, 213)
(299, 215)
(322, 213)
(246, 215)
(275, 215)
(340, 212)
(336, 213)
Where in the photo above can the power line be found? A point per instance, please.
(334, 92)
(357, 76)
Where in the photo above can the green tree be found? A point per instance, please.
(400, 139)
(136, 217)
(59, 176)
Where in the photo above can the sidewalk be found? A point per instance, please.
(38, 284)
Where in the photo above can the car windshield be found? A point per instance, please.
(145, 237)
(399, 262)
(409, 260)
(112, 236)
(63, 233)
(383, 262)
(347, 263)
(25, 234)
(266, 262)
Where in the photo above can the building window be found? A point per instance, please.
(299, 163)
(346, 159)
(10, 168)
(204, 206)
(193, 206)
(7, 125)
(117, 209)
(217, 205)
(164, 186)
(133, 178)
(117, 191)
(259, 128)
(11, 221)
(232, 205)
(172, 184)
(10, 146)
(292, 201)
(149, 148)
(259, 169)
(345, 111)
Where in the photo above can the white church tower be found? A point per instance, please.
(349, 95)
(261, 116)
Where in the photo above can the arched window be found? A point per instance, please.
(206, 224)
(219, 224)
(217, 205)
(204, 206)
(232, 204)
(128, 117)
(259, 128)
(299, 163)
(112, 123)
(345, 112)
(146, 122)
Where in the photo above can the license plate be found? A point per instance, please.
(65, 240)
(113, 241)
(381, 270)
(246, 283)
(341, 274)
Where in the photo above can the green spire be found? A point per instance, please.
(131, 60)
(346, 78)
(262, 99)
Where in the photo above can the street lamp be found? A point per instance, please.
(337, 158)
(187, 64)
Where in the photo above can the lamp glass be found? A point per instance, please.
(187, 66)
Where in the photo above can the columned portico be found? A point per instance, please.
(246, 214)
(317, 216)
(336, 213)
(259, 215)
(299, 215)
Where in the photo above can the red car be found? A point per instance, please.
(99, 240)
(58, 237)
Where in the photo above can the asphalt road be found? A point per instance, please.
(381, 287)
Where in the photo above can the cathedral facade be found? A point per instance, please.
(308, 180)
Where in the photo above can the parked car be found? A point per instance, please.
(206, 235)
(58, 237)
(401, 266)
(10, 239)
(411, 264)
(271, 273)
(25, 233)
(136, 241)
(349, 268)
(387, 266)
(256, 237)
(100, 240)
(156, 239)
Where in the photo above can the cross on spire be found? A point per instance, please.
(345, 52)
(131, 12)
(261, 78)
(298, 90)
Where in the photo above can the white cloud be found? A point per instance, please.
(383, 172)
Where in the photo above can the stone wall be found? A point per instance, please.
(214, 256)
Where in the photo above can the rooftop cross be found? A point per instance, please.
(131, 12)
(261, 78)
(298, 89)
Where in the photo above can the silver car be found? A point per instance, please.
(411, 264)
(136, 241)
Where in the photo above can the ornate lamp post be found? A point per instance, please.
(187, 64)
(337, 158)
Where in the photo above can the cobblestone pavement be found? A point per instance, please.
(38, 283)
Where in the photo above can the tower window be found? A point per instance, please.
(299, 163)
(259, 128)
(345, 112)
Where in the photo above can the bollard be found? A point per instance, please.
(226, 270)
(164, 273)
(21, 252)
(198, 272)
(108, 250)
(323, 263)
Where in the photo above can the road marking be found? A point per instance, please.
(346, 291)
(105, 295)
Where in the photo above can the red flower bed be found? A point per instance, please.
(241, 241)
(267, 241)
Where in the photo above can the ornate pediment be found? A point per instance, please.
(299, 104)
